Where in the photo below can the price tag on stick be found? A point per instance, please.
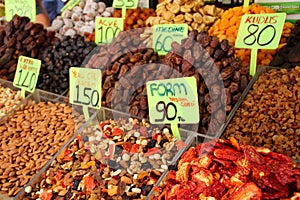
(70, 5)
(125, 4)
(107, 29)
(173, 101)
(20, 7)
(259, 31)
(27, 74)
(85, 88)
(165, 34)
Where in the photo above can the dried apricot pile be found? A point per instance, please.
(228, 25)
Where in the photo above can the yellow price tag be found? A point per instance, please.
(20, 7)
(27, 74)
(165, 34)
(128, 4)
(107, 29)
(259, 31)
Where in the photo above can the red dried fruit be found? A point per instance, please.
(247, 191)
(228, 154)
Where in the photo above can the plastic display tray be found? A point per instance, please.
(41, 96)
(105, 114)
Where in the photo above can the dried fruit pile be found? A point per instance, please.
(193, 13)
(227, 28)
(270, 114)
(220, 77)
(135, 18)
(79, 174)
(21, 38)
(81, 19)
(58, 58)
(132, 145)
(29, 139)
(224, 169)
(9, 99)
(289, 55)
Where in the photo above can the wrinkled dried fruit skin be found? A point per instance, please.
(224, 169)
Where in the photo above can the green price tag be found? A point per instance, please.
(165, 34)
(27, 74)
(20, 7)
(107, 29)
(85, 87)
(70, 5)
(129, 4)
(259, 31)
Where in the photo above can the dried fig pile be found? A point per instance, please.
(21, 38)
(58, 58)
(194, 13)
(289, 55)
(220, 77)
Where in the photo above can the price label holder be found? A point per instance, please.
(173, 101)
(165, 34)
(125, 4)
(85, 88)
(27, 74)
(70, 5)
(20, 7)
(107, 28)
(259, 31)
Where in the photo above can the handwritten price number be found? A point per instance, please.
(159, 46)
(104, 37)
(92, 96)
(251, 39)
(21, 81)
(164, 108)
(21, 12)
(126, 3)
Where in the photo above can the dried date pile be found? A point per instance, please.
(21, 38)
(58, 58)
(126, 66)
(289, 55)
(224, 169)
(220, 77)
(270, 114)
(79, 175)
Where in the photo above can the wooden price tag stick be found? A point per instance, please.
(173, 101)
(246, 3)
(27, 74)
(259, 31)
(85, 88)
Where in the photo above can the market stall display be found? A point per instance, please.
(31, 136)
(194, 13)
(81, 19)
(58, 58)
(20, 37)
(110, 161)
(228, 25)
(225, 169)
(289, 55)
(269, 115)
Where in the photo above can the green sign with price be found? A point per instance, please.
(20, 7)
(165, 34)
(260, 31)
(107, 28)
(128, 4)
(85, 87)
(173, 101)
(27, 74)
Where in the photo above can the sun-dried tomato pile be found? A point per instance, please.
(224, 169)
